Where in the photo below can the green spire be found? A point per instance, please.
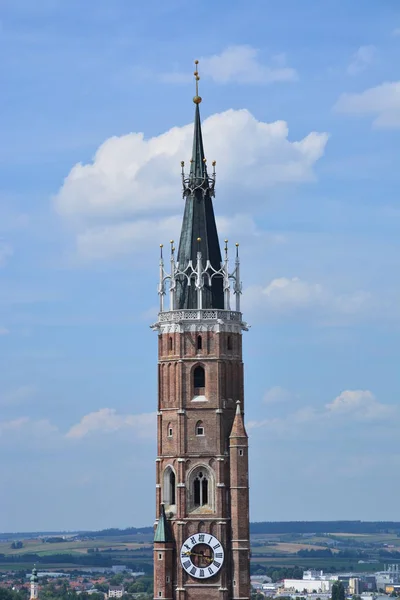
(34, 576)
(163, 532)
(198, 169)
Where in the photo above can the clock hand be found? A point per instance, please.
(201, 555)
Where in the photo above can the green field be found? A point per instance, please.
(321, 551)
(36, 546)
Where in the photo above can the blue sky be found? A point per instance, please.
(301, 110)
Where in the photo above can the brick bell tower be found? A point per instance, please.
(201, 543)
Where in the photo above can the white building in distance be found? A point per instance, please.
(116, 591)
(313, 581)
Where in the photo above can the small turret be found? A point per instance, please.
(163, 558)
(238, 430)
(239, 468)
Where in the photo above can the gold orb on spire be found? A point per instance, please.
(197, 98)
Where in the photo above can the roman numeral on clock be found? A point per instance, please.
(216, 546)
(216, 564)
(210, 571)
(187, 564)
(219, 555)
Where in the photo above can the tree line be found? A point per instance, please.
(325, 527)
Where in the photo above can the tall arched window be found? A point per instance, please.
(170, 344)
(199, 381)
(229, 342)
(200, 489)
(169, 488)
(199, 342)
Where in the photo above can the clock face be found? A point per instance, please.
(202, 555)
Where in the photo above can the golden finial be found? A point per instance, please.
(199, 239)
(197, 98)
(161, 245)
(214, 162)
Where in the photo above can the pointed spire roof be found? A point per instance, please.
(238, 429)
(199, 230)
(198, 167)
(163, 532)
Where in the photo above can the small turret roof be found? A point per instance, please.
(163, 532)
(238, 429)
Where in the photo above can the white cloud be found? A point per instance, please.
(238, 64)
(359, 403)
(348, 407)
(132, 175)
(361, 60)
(4, 331)
(107, 420)
(382, 101)
(277, 394)
(105, 241)
(293, 295)
(241, 64)
(6, 251)
(112, 202)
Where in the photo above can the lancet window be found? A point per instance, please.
(200, 489)
(169, 488)
(199, 381)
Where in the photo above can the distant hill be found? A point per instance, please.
(325, 527)
(369, 527)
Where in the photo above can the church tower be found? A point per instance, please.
(34, 595)
(201, 544)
